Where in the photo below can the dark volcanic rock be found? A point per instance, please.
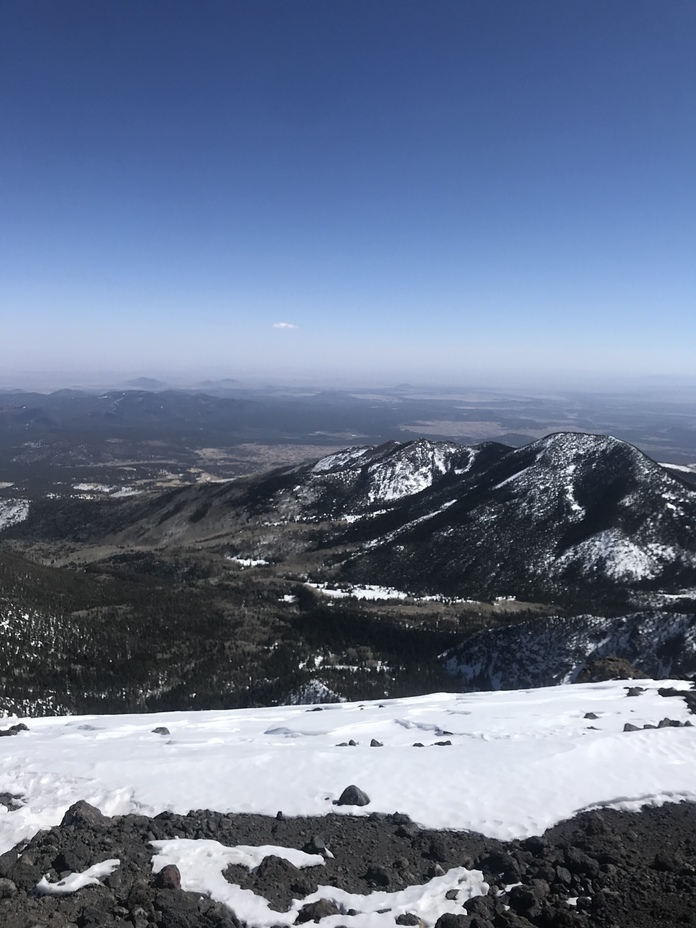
(482, 906)
(81, 814)
(11, 801)
(277, 880)
(315, 911)
(450, 920)
(379, 877)
(7, 889)
(74, 857)
(352, 796)
(407, 918)
(168, 878)
(627, 870)
(316, 845)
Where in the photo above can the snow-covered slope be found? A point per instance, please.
(546, 651)
(393, 472)
(13, 511)
(504, 764)
(367, 477)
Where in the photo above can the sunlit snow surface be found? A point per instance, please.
(519, 760)
(369, 591)
(247, 561)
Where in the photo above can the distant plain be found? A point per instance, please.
(74, 442)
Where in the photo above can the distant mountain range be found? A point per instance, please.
(154, 406)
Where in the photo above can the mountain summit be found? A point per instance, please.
(569, 510)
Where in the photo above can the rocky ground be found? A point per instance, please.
(603, 868)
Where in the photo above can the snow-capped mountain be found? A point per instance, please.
(571, 515)
(555, 650)
(571, 511)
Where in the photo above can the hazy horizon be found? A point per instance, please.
(669, 387)
(351, 192)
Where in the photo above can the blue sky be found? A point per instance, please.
(424, 190)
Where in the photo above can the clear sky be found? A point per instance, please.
(428, 190)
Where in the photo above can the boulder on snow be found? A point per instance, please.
(635, 690)
(408, 918)
(352, 796)
(315, 911)
(81, 814)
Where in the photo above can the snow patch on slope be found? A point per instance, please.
(613, 554)
(350, 457)
(75, 881)
(394, 471)
(13, 511)
(368, 591)
(682, 468)
(410, 470)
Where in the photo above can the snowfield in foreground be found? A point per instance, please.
(518, 762)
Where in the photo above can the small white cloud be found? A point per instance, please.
(284, 325)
